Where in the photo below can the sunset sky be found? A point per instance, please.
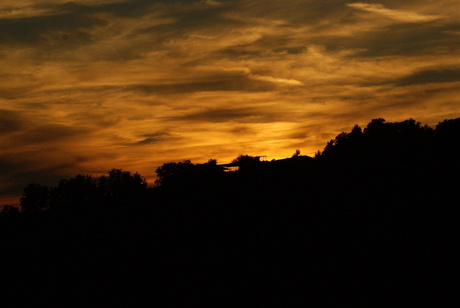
(91, 85)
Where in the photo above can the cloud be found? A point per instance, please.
(11, 121)
(242, 130)
(148, 139)
(50, 133)
(48, 29)
(276, 80)
(377, 38)
(239, 115)
(399, 15)
(219, 83)
(431, 75)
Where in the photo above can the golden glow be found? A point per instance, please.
(94, 85)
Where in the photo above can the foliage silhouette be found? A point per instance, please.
(121, 185)
(373, 212)
(9, 211)
(35, 198)
(80, 190)
(172, 172)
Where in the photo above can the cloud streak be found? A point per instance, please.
(399, 15)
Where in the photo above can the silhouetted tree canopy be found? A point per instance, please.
(396, 155)
(380, 140)
(35, 198)
(80, 190)
(122, 184)
(171, 172)
(377, 209)
(84, 191)
(9, 211)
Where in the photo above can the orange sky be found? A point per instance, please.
(91, 85)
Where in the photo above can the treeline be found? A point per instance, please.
(83, 191)
(377, 209)
(402, 156)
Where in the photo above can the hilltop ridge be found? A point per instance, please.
(370, 214)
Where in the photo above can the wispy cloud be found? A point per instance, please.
(399, 15)
(276, 80)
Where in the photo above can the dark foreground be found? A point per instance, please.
(368, 221)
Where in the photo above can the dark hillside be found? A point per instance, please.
(371, 219)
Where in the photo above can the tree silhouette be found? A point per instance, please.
(173, 173)
(35, 198)
(79, 191)
(447, 138)
(380, 140)
(247, 163)
(121, 187)
(9, 211)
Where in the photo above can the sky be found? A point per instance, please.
(91, 85)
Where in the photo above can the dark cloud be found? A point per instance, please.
(240, 15)
(154, 138)
(399, 39)
(187, 16)
(12, 93)
(202, 16)
(7, 164)
(296, 12)
(297, 135)
(132, 9)
(436, 75)
(239, 115)
(50, 133)
(218, 83)
(11, 121)
(242, 130)
(49, 29)
(147, 141)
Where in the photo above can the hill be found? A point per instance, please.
(371, 219)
